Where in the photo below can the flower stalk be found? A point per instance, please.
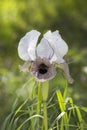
(45, 116)
(44, 92)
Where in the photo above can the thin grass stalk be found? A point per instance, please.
(57, 125)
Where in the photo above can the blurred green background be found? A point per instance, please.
(20, 16)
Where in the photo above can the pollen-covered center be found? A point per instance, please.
(43, 69)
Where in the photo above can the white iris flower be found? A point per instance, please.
(40, 59)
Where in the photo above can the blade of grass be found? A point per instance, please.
(61, 102)
(7, 122)
(65, 90)
(80, 119)
(30, 118)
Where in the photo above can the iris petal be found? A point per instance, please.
(65, 68)
(58, 44)
(27, 46)
(44, 50)
(25, 67)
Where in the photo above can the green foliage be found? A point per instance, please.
(29, 115)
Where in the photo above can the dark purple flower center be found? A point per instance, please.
(43, 69)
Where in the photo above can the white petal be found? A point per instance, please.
(57, 59)
(65, 68)
(57, 43)
(27, 46)
(44, 50)
(22, 49)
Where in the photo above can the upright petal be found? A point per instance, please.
(44, 49)
(57, 43)
(27, 46)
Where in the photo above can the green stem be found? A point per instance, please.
(39, 99)
(38, 106)
(44, 92)
(45, 116)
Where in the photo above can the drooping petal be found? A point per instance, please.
(27, 46)
(44, 50)
(25, 67)
(58, 44)
(64, 66)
